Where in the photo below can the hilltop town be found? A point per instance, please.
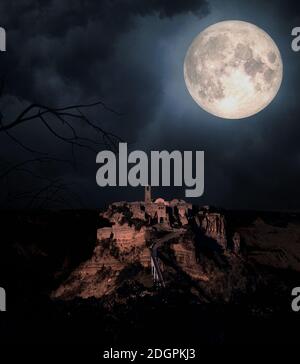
(141, 233)
(113, 273)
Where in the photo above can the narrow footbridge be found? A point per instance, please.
(155, 265)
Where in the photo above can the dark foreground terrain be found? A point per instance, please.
(249, 302)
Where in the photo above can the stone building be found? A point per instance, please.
(182, 209)
(123, 215)
(125, 236)
(158, 210)
(213, 226)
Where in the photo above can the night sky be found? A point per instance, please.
(130, 54)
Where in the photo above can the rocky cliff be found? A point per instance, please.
(237, 294)
(128, 241)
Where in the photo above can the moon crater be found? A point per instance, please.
(233, 69)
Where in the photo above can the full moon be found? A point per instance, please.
(233, 69)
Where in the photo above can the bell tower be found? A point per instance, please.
(148, 194)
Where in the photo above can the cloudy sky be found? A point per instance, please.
(129, 54)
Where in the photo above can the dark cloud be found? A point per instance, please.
(70, 37)
(63, 52)
(130, 54)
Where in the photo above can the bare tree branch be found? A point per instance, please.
(54, 192)
(22, 117)
(29, 161)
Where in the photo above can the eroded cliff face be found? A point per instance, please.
(213, 225)
(128, 241)
(273, 245)
(98, 276)
(93, 278)
(57, 251)
(203, 263)
(186, 258)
